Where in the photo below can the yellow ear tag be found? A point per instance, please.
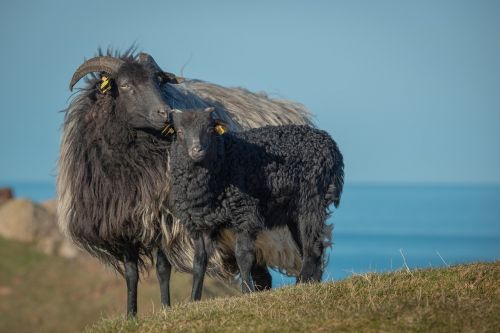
(220, 129)
(104, 85)
(168, 130)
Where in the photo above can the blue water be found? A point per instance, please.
(378, 227)
(432, 226)
(37, 191)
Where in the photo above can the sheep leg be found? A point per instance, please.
(132, 278)
(199, 267)
(245, 257)
(262, 278)
(311, 224)
(163, 270)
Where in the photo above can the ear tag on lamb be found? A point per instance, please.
(220, 129)
(168, 130)
(104, 84)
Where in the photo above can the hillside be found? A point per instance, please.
(46, 293)
(463, 298)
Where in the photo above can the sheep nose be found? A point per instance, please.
(197, 152)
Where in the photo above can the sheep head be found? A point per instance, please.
(135, 86)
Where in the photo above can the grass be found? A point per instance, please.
(40, 293)
(463, 298)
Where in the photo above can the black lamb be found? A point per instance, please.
(250, 181)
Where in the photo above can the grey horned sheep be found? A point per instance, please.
(113, 180)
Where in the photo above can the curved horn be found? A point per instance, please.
(104, 64)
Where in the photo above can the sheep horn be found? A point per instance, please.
(104, 64)
(149, 61)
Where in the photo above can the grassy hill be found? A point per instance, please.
(461, 298)
(41, 293)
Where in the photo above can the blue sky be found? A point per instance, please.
(409, 90)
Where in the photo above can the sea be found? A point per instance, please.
(382, 228)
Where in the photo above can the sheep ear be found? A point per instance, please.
(220, 127)
(172, 78)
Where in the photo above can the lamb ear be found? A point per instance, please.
(171, 116)
(220, 127)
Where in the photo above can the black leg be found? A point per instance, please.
(199, 267)
(132, 278)
(163, 270)
(311, 226)
(262, 278)
(245, 257)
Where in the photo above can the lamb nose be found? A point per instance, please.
(196, 149)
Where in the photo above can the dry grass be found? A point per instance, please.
(463, 298)
(40, 293)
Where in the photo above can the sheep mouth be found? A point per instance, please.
(198, 156)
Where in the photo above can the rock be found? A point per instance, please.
(23, 220)
(6, 194)
(50, 206)
(36, 224)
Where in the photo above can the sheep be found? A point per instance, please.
(110, 169)
(112, 181)
(251, 181)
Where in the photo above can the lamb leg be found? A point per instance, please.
(199, 267)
